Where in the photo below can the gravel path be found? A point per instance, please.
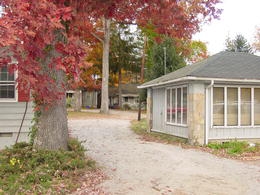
(138, 167)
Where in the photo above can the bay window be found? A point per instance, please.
(176, 103)
(236, 106)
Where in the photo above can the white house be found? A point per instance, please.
(12, 108)
(215, 99)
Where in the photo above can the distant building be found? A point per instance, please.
(130, 96)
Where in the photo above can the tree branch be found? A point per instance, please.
(97, 37)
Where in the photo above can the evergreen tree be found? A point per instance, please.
(156, 59)
(239, 44)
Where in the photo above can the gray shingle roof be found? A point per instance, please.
(224, 65)
(129, 88)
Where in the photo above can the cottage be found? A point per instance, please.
(129, 93)
(215, 99)
(12, 108)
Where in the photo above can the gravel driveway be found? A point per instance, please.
(146, 168)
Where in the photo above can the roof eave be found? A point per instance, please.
(199, 79)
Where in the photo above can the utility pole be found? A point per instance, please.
(164, 49)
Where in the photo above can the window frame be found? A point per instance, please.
(252, 88)
(15, 99)
(176, 105)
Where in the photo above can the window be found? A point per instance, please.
(7, 84)
(245, 107)
(176, 102)
(218, 106)
(169, 111)
(257, 106)
(232, 106)
(232, 109)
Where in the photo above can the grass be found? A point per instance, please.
(24, 170)
(140, 128)
(227, 149)
(235, 147)
(76, 115)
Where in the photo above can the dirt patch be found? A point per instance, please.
(113, 114)
(135, 166)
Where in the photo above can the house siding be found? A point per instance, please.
(234, 133)
(158, 116)
(11, 114)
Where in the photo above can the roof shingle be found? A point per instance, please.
(229, 65)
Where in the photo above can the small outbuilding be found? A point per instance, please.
(215, 99)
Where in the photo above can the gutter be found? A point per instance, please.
(199, 79)
(206, 112)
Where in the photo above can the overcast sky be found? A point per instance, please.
(238, 17)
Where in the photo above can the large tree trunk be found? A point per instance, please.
(105, 68)
(120, 88)
(52, 133)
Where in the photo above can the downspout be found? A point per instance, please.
(207, 113)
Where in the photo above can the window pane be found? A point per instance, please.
(257, 106)
(245, 106)
(3, 91)
(173, 105)
(10, 76)
(232, 109)
(179, 105)
(11, 90)
(218, 106)
(168, 105)
(184, 117)
(7, 91)
(3, 76)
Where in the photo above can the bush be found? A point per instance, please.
(126, 106)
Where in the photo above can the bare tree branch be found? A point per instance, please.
(97, 37)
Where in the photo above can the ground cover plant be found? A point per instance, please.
(235, 147)
(231, 149)
(24, 170)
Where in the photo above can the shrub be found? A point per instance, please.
(126, 106)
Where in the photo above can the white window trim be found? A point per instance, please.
(239, 111)
(175, 122)
(15, 99)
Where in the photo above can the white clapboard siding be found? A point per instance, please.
(159, 124)
(234, 133)
(11, 115)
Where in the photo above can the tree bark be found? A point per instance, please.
(143, 60)
(120, 87)
(52, 133)
(105, 68)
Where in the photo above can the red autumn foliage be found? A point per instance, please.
(35, 35)
(33, 30)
